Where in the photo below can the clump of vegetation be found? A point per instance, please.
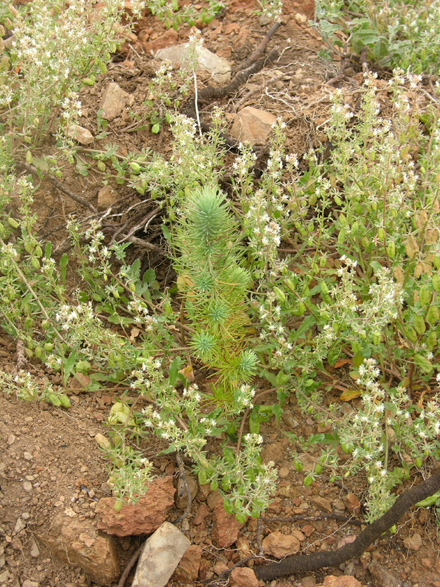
(362, 285)
(399, 33)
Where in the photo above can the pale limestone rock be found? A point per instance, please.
(80, 134)
(114, 101)
(160, 556)
(218, 67)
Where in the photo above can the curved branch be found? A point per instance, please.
(311, 562)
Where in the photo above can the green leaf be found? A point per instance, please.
(63, 267)
(358, 359)
(155, 128)
(48, 250)
(377, 267)
(277, 412)
(307, 323)
(149, 276)
(174, 369)
(166, 233)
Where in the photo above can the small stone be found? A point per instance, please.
(275, 451)
(181, 493)
(322, 504)
(413, 542)
(352, 503)
(34, 550)
(346, 540)
(29, 583)
(27, 486)
(244, 577)
(339, 505)
(218, 67)
(106, 197)
(114, 101)
(170, 37)
(280, 545)
(219, 568)
(25, 515)
(19, 526)
(2, 559)
(253, 126)
(382, 577)
(289, 420)
(202, 513)
(344, 581)
(27, 456)
(160, 556)
(4, 577)
(243, 546)
(300, 18)
(308, 581)
(11, 439)
(264, 20)
(80, 134)
(283, 472)
(299, 535)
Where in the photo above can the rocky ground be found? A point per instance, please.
(57, 524)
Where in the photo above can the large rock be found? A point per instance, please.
(252, 126)
(218, 67)
(188, 569)
(114, 101)
(160, 556)
(280, 545)
(143, 517)
(78, 542)
(225, 528)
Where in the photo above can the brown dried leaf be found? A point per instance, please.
(419, 270)
(420, 219)
(411, 246)
(399, 276)
(431, 236)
